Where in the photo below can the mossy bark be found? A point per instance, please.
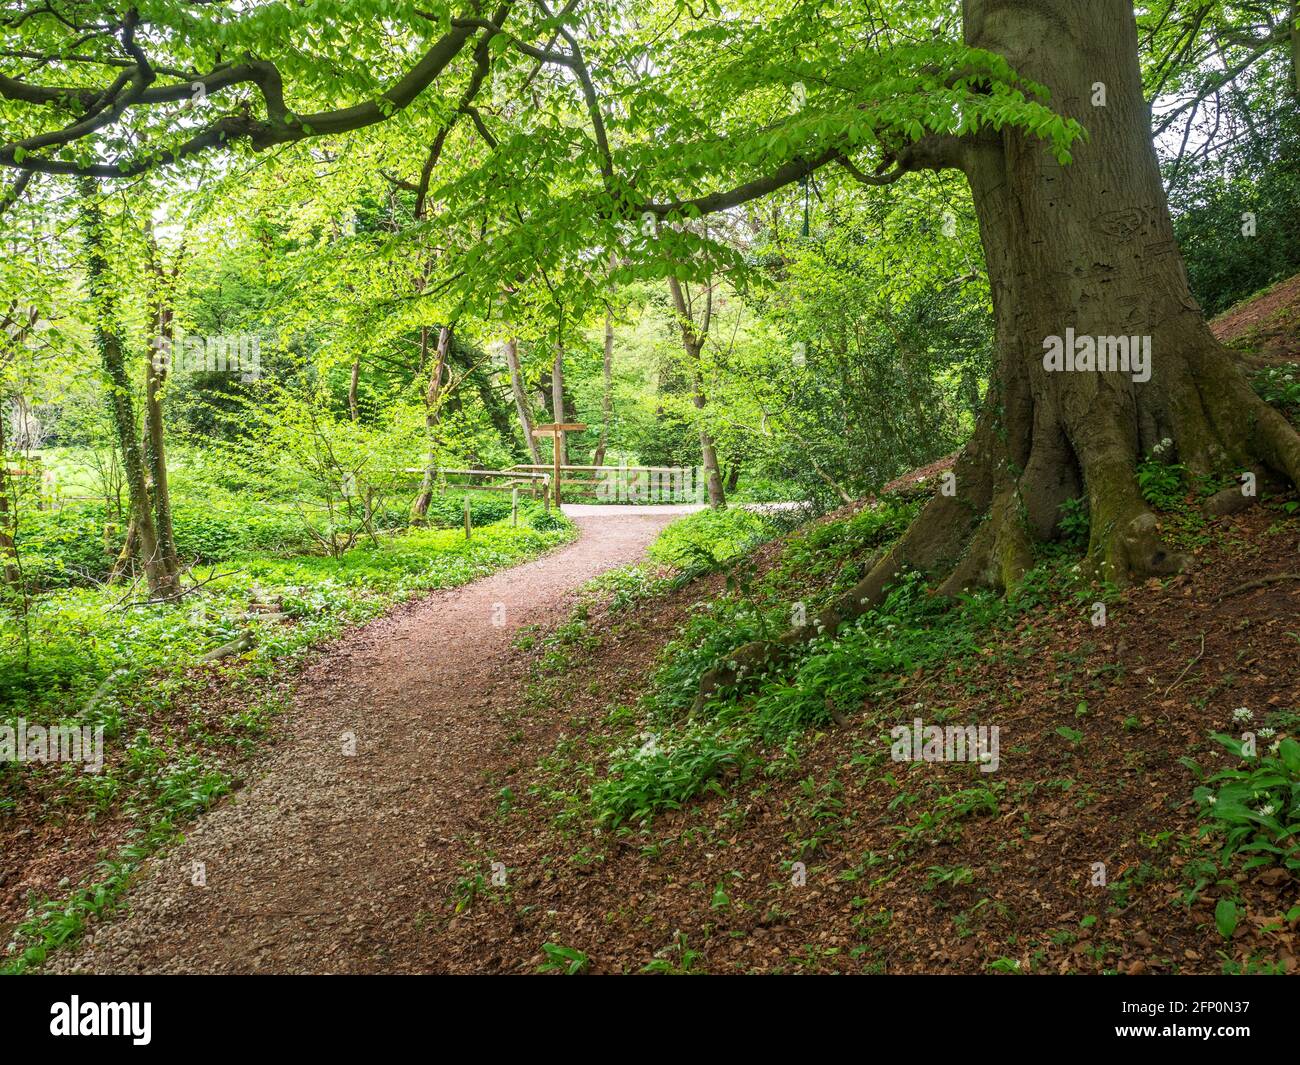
(161, 581)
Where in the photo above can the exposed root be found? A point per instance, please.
(981, 535)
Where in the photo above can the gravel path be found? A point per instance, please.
(331, 862)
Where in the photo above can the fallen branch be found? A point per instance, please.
(1200, 654)
(244, 643)
(1277, 578)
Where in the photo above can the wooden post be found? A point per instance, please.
(467, 525)
(556, 437)
(514, 508)
(556, 431)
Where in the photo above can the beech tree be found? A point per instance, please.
(573, 126)
(1085, 244)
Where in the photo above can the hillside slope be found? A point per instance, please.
(776, 831)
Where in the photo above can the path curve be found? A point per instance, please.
(329, 863)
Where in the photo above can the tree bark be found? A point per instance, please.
(353, 382)
(521, 401)
(16, 324)
(432, 415)
(693, 340)
(8, 556)
(557, 401)
(1088, 246)
(161, 584)
(155, 379)
(1295, 50)
(607, 389)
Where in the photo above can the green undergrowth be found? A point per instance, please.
(92, 657)
(665, 750)
(712, 537)
(684, 749)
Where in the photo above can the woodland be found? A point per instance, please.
(929, 368)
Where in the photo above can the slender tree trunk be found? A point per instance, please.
(7, 531)
(432, 415)
(353, 381)
(1087, 247)
(155, 379)
(693, 340)
(521, 401)
(557, 401)
(1295, 50)
(607, 389)
(109, 343)
(709, 456)
(15, 325)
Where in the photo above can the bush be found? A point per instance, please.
(719, 534)
(62, 548)
(448, 511)
(1256, 809)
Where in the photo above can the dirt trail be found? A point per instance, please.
(330, 863)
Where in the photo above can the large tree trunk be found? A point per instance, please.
(1089, 247)
(108, 340)
(432, 415)
(521, 400)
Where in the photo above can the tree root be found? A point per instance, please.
(982, 535)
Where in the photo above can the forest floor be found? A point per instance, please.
(328, 861)
(457, 838)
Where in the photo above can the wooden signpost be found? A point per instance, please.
(556, 431)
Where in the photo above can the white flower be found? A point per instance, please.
(1266, 810)
(1274, 747)
(1242, 714)
(1211, 799)
(1266, 732)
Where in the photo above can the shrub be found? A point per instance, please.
(1256, 808)
(718, 534)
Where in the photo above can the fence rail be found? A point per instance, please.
(538, 483)
(676, 481)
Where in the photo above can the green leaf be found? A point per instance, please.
(1225, 917)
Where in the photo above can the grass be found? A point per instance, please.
(688, 747)
(91, 657)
